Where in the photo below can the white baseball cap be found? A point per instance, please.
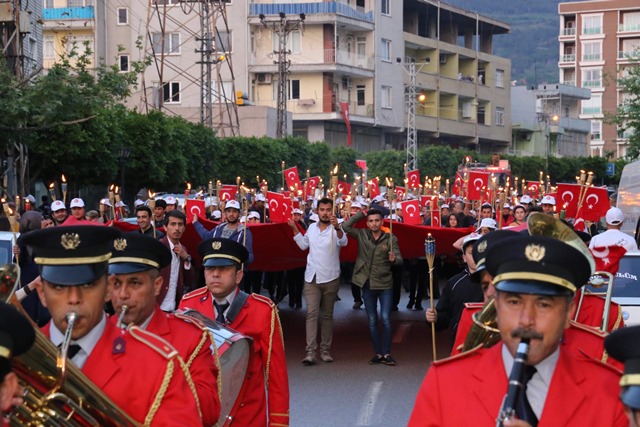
(471, 238)
(57, 205)
(77, 203)
(548, 200)
(356, 205)
(314, 218)
(295, 211)
(260, 198)
(216, 214)
(171, 200)
(138, 202)
(256, 215)
(614, 216)
(487, 222)
(444, 206)
(506, 205)
(104, 201)
(231, 204)
(526, 199)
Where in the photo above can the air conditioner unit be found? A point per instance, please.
(346, 82)
(263, 78)
(527, 136)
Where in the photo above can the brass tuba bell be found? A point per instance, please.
(55, 395)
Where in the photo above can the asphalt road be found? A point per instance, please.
(349, 391)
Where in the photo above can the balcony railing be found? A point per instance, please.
(570, 57)
(343, 57)
(338, 8)
(630, 54)
(591, 110)
(568, 31)
(62, 13)
(589, 31)
(623, 28)
(569, 82)
(592, 83)
(591, 57)
(315, 106)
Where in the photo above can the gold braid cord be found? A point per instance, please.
(158, 400)
(216, 361)
(192, 385)
(618, 320)
(273, 319)
(197, 350)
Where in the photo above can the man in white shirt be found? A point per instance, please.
(613, 236)
(322, 277)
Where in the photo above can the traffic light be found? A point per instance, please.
(422, 98)
(241, 98)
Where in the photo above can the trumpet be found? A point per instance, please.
(516, 386)
(123, 312)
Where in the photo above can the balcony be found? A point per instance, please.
(591, 31)
(627, 28)
(310, 9)
(570, 57)
(631, 54)
(588, 57)
(591, 110)
(63, 13)
(568, 32)
(316, 108)
(592, 83)
(343, 57)
(569, 83)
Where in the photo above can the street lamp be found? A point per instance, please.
(123, 155)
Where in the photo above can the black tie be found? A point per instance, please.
(220, 308)
(523, 409)
(72, 350)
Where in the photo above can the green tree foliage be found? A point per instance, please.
(628, 114)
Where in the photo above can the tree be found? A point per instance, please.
(628, 112)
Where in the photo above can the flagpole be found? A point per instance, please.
(430, 252)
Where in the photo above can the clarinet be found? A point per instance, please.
(514, 390)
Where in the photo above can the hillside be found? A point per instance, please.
(532, 45)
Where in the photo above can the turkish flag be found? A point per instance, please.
(399, 192)
(413, 178)
(292, 178)
(477, 181)
(279, 207)
(457, 184)
(311, 185)
(374, 188)
(343, 188)
(608, 258)
(567, 198)
(425, 201)
(595, 204)
(534, 189)
(228, 192)
(411, 212)
(195, 206)
(362, 164)
(435, 218)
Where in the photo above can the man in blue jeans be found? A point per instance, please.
(377, 252)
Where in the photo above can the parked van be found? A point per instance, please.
(629, 198)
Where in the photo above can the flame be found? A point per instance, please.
(335, 170)
(111, 187)
(63, 178)
(188, 186)
(51, 186)
(150, 194)
(116, 190)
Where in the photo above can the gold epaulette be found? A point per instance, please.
(196, 293)
(473, 304)
(154, 342)
(191, 320)
(263, 299)
(590, 329)
(459, 356)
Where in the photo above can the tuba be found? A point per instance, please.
(57, 393)
(484, 330)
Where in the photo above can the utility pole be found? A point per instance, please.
(281, 28)
(411, 92)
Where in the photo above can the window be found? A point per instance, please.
(591, 51)
(591, 24)
(48, 4)
(293, 89)
(293, 42)
(222, 92)
(499, 116)
(386, 96)
(83, 45)
(499, 78)
(171, 43)
(384, 7)
(596, 129)
(385, 51)
(360, 94)
(49, 47)
(171, 92)
(252, 42)
(79, 3)
(224, 41)
(592, 77)
(593, 105)
(123, 15)
(631, 21)
(124, 63)
(167, 2)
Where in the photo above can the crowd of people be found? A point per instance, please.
(76, 264)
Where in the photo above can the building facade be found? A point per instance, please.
(546, 123)
(598, 41)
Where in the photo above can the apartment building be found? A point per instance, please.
(347, 53)
(545, 121)
(598, 41)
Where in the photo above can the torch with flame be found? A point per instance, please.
(64, 186)
(52, 191)
(151, 202)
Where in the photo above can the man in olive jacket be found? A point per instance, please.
(377, 251)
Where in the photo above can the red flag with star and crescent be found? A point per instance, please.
(195, 207)
(311, 185)
(279, 207)
(435, 217)
(457, 184)
(477, 181)
(608, 258)
(595, 204)
(292, 178)
(343, 188)
(228, 192)
(413, 179)
(400, 191)
(374, 188)
(533, 188)
(411, 212)
(567, 197)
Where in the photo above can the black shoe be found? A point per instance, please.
(376, 360)
(410, 305)
(388, 360)
(419, 307)
(394, 308)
